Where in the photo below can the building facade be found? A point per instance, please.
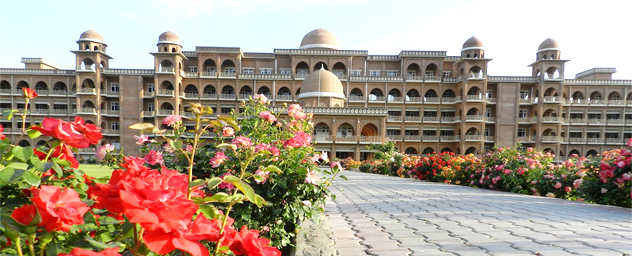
(424, 101)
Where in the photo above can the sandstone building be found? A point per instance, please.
(424, 101)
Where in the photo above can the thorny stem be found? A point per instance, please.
(18, 247)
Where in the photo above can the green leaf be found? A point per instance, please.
(273, 168)
(214, 182)
(177, 144)
(33, 133)
(142, 126)
(226, 146)
(230, 121)
(247, 190)
(31, 178)
(9, 175)
(22, 153)
(343, 177)
(216, 123)
(196, 183)
(209, 211)
(9, 113)
(58, 170)
(231, 179)
(61, 162)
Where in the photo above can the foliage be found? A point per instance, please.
(383, 151)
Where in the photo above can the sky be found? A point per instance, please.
(590, 33)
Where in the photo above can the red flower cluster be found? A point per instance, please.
(300, 139)
(59, 208)
(2, 136)
(28, 93)
(157, 200)
(84, 252)
(76, 134)
(63, 152)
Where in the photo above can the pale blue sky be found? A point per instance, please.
(590, 33)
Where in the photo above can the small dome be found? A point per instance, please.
(549, 44)
(169, 38)
(92, 36)
(321, 83)
(472, 43)
(320, 38)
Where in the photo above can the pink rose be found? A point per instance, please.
(266, 115)
(262, 176)
(172, 120)
(242, 142)
(300, 139)
(228, 131)
(630, 142)
(260, 98)
(188, 148)
(226, 185)
(557, 185)
(103, 150)
(218, 159)
(550, 195)
(567, 189)
(520, 171)
(296, 111)
(154, 157)
(506, 171)
(140, 140)
(312, 178)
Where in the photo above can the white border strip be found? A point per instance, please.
(548, 49)
(322, 94)
(472, 48)
(168, 42)
(330, 46)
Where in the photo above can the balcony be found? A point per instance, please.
(414, 99)
(166, 112)
(144, 114)
(576, 140)
(578, 121)
(394, 137)
(370, 139)
(595, 140)
(87, 111)
(451, 138)
(54, 112)
(208, 96)
(227, 96)
(166, 70)
(525, 139)
(267, 76)
(618, 141)
(489, 138)
(58, 93)
(186, 114)
(432, 79)
(450, 119)
(41, 111)
(322, 138)
(430, 138)
(431, 119)
(87, 150)
(414, 138)
(244, 96)
(553, 99)
(550, 139)
(450, 99)
(208, 74)
(474, 118)
(190, 95)
(373, 98)
(596, 121)
(394, 118)
(105, 112)
(110, 93)
(552, 119)
(352, 139)
(616, 103)
(490, 119)
(165, 93)
(285, 97)
(146, 94)
(190, 74)
(432, 100)
(356, 98)
(228, 75)
(475, 98)
(86, 91)
(300, 76)
(525, 101)
(110, 132)
(473, 137)
(617, 121)
(394, 99)
(412, 118)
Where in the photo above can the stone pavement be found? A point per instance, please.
(382, 215)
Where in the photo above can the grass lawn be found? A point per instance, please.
(94, 170)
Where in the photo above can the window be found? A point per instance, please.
(524, 95)
(429, 133)
(116, 144)
(226, 111)
(266, 71)
(411, 73)
(446, 74)
(211, 69)
(150, 88)
(355, 72)
(489, 94)
(229, 70)
(338, 73)
(345, 131)
(193, 69)
(114, 106)
(150, 106)
(522, 114)
(393, 132)
(486, 131)
(114, 126)
(286, 71)
(374, 73)
(522, 132)
(41, 106)
(60, 106)
(430, 73)
(114, 87)
(391, 73)
(302, 71)
(247, 71)
(489, 113)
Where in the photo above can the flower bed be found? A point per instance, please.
(601, 179)
(239, 194)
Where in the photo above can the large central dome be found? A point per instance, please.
(322, 89)
(320, 39)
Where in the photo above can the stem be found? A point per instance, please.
(196, 139)
(31, 241)
(42, 249)
(18, 247)
(140, 238)
(135, 250)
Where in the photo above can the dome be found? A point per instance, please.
(92, 36)
(549, 44)
(321, 83)
(169, 38)
(320, 38)
(472, 43)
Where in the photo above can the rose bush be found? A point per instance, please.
(147, 208)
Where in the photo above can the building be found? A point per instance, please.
(424, 101)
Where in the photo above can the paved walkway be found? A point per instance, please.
(381, 215)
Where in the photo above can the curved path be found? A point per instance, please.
(382, 215)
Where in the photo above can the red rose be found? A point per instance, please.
(84, 252)
(28, 93)
(2, 136)
(247, 242)
(63, 152)
(25, 214)
(76, 134)
(59, 208)
(187, 237)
